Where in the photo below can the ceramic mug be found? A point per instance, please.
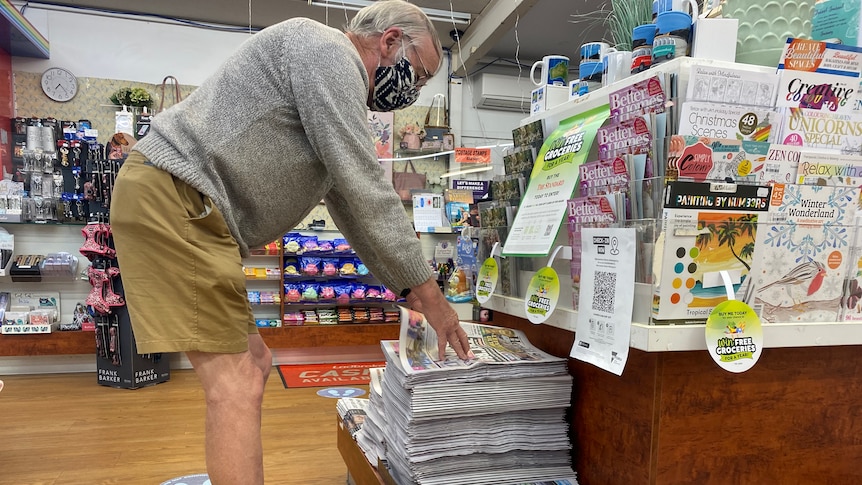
(671, 41)
(643, 35)
(594, 51)
(616, 66)
(685, 6)
(555, 71)
(591, 76)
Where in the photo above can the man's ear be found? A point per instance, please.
(390, 41)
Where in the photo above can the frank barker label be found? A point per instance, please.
(145, 376)
(106, 375)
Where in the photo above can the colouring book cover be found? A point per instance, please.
(801, 253)
(732, 86)
(822, 130)
(715, 120)
(708, 228)
(697, 159)
(831, 169)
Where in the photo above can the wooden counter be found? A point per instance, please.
(677, 418)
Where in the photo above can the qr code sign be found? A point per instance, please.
(604, 289)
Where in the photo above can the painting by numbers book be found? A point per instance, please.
(706, 228)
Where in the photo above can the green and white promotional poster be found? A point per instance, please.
(542, 295)
(734, 336)
(552, 183)
(486, 283)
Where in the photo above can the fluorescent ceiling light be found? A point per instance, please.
(432, 13)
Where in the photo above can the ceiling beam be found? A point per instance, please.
(495, 21)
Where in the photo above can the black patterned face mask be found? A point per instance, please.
(394, 86)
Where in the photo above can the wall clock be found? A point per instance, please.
(59, 84)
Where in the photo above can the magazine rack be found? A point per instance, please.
(650, 334)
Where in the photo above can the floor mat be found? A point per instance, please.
(326, 375)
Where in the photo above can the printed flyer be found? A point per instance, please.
(542, 295)
(603, 331)
(552, 183)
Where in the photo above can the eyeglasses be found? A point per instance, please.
(423, 78)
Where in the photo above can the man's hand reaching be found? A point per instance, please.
(428, 299)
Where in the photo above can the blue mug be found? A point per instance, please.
(643, 35)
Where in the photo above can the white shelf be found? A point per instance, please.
(564, 318)
(677, 338)
(681, 65)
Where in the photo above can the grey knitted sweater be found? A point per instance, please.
(280, 126)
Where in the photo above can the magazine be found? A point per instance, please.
(822, 130)
(707, 228)
(801, 251)
(731, 86)
(696, 159)
(715, 120)
(637, 99)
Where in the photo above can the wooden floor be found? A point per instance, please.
(64, 429)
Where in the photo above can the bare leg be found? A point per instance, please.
(261, 353)
(233, 386)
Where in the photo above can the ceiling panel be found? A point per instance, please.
(545, 29)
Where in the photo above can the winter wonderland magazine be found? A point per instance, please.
(801, 251)
(833, 169)
(491, 346)
(708, 228)
(822, 130)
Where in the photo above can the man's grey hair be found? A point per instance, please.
(383, 14)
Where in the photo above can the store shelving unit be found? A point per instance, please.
(674, 416)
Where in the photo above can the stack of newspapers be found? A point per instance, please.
(371, 438)
(496, 420)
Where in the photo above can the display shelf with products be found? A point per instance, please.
(648, 334)
(325, 283)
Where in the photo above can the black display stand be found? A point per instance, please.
(118, 363)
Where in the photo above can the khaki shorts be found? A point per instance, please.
(180, 267)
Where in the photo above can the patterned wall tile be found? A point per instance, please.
(93, 101)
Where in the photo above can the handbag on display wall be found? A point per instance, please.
(407, 181)
(176, 91)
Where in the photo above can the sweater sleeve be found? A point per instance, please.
(330, 87)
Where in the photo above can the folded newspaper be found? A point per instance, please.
(500, 352)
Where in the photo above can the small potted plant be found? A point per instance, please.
(136, 97)
(411, 136)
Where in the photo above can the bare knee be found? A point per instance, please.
(236, 380)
